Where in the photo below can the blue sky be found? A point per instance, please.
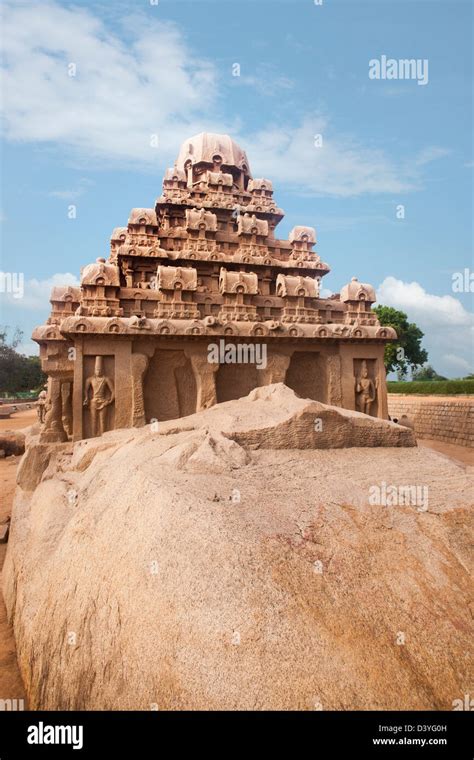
(167, 69)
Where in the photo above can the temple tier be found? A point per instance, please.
(131, 345)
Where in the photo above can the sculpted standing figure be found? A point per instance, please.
(41, 406)
(102, 396)
(365, 390)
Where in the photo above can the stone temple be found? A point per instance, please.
(203, 272)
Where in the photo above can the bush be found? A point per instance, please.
(430, 387)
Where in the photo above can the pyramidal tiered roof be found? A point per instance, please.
(206, 260)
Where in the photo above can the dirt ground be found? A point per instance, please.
(11, 686)
(458, 453)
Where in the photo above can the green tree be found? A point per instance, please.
(405, 353)
(18, 373)
(426, 373)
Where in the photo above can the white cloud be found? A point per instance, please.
(448, 326)
(459, 362)
(67, 195)
(434, 310)
(36, 292)
(430, 154)
(122, 93)
(151, 83)
(76, 192)
(342, 166)
(265, 79)
(325, 292)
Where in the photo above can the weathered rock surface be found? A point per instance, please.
(12, 442)
(202, 567)
(273, 417)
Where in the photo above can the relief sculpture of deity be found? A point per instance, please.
(366, 392)
(41, 407)
(98, 395)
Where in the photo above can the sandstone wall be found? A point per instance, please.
(444, 418)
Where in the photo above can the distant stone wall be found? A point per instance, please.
(443, 418)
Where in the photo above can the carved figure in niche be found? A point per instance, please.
(101, 397)
(41, 406)
(66, 404)
(366, 391)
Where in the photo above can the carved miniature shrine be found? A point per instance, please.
(131, 344)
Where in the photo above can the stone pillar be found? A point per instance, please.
(205, 376)
(275, 371)
(333, 380)
(77, 393)
(139, 363)
(122, 351)
(66, 404)
(381, 388)
(53, 431)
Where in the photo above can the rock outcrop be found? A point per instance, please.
(12, 442)
(228, 561)
(273, 417)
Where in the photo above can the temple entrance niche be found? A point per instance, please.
(306, 375)
(235, 381)
(98, 403)
(169, 386)
(366, 386)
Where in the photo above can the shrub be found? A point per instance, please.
(430, 387)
